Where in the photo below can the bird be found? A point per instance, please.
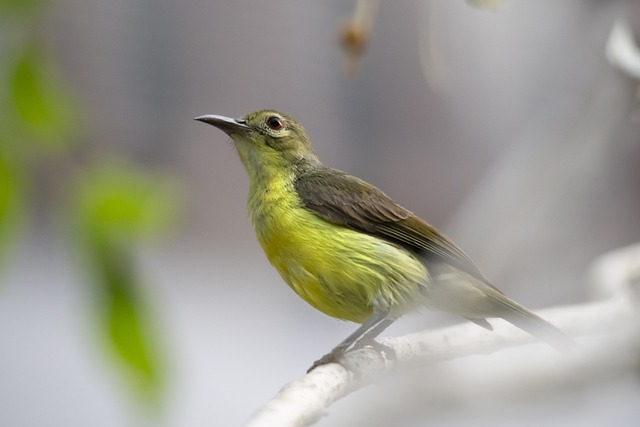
(348, 249)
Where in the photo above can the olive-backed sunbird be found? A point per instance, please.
(349, 250)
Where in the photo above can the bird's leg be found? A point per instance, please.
(371, 328)
(368, 337)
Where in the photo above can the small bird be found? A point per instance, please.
(348, 249)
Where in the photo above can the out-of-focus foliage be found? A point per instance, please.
(121, 204)
(42, 108)
(38, 111)
(116, 209)
(488, 4)
(11, 195)
(19, 6)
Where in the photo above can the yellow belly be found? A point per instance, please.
(341, 272)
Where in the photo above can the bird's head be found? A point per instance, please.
(266, 140)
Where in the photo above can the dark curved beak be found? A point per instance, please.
(225, 124)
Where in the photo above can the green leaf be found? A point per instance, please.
(125, 320)
(125, 204)
(43, 108)
(8, 6)
(117, 208)
(11, 196)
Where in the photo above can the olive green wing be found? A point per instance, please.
(346, 200)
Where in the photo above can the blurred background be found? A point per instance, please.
(132, 290)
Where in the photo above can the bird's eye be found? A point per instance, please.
(275, 123)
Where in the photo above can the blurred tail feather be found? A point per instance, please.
(536, 326)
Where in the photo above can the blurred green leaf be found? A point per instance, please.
(117, 208)
(11, 195)
(126, 204)
(8, 6)
(488, 4)
(42, 106)
(124, 318)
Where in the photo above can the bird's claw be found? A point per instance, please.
(336, 354)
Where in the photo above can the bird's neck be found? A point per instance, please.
(273, 201)
(270, 185)
(269, 173)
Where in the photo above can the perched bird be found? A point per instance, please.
(349, 250)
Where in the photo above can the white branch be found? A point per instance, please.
(622, 50)
(304, 401)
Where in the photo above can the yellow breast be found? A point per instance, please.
(339, 271)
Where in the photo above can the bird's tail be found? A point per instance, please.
(476, 299)
(535, 325)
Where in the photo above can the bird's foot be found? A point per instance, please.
(332, 357)
(336, 354)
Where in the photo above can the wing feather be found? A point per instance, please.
(346, 200)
